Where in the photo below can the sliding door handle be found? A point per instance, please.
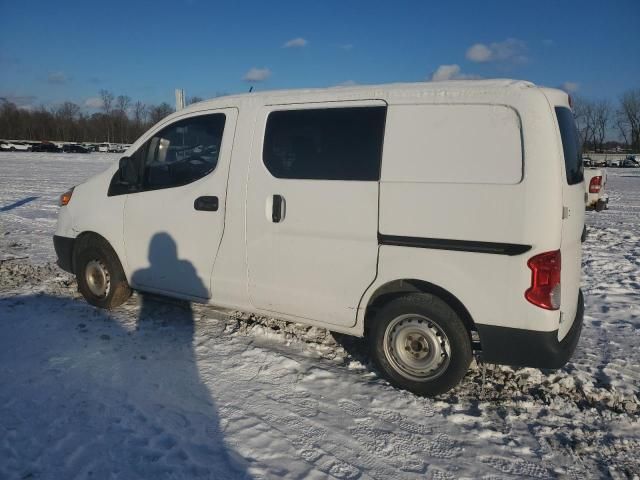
(278, 209)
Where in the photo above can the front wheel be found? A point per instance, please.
(420, 344)
(101, 279)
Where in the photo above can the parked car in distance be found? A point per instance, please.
(103, 147)
(629, 163)
(327, 207)
(117, 148)
(587, 162)
(614, 163)
(74, 148)
(18, 147)
(47, 147)
(595, 180)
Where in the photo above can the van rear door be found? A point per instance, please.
(573, 192)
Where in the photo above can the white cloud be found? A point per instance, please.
(57, 78)
(450, 72)
(479, 53)
(346, 46)
(257, 75)
(511, 50)
(93, 102)
(445, 72)
(570, 87)
(295, 42)
(547, 42)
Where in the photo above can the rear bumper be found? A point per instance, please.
(599, 203)
(64, 251)
(530, 348)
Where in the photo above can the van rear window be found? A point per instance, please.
(570, 145)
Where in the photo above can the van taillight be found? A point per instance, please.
(595, 184)
(545, 280)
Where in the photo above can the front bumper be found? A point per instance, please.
(64, 251)
(530, 348)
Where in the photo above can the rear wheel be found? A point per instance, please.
(420, 344)
(100, 276)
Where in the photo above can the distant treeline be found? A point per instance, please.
(598, 119)
(120, 120)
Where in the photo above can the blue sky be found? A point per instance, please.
(51, 51)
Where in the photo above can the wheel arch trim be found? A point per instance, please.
(91, 233)
(394, 288)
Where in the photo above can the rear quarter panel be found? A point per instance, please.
(527, 211)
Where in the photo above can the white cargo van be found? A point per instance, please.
(433, 218)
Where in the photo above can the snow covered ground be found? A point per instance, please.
(159, 390)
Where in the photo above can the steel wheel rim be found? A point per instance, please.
(417, 347)
(98, 279)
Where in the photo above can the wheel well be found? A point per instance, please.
(83, 239)
(396, 288)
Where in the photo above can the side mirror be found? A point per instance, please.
(127, 174)
(122, 169)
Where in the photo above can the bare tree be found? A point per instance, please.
(628, 118)
(583, 111)
(602, 119)
(593, 119)
(68, 110)
(191, 100)
(122, 105)
(107, 100)
(139, 113)
(158, 112)
(65, 115)
(622, 129)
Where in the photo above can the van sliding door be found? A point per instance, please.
(312, 208)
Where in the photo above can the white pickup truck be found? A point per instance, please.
(595, 180)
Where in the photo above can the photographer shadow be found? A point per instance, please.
(88, 393)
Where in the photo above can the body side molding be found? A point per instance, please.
(456, 245)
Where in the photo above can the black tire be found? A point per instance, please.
(89, 251)
(440, 317)
(600, 206)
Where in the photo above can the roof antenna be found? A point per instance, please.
(251, 89)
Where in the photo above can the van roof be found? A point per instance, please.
(446, 88)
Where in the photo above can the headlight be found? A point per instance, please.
(65, 198)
